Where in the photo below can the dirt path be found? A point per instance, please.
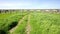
(28, 27)
(17, 24)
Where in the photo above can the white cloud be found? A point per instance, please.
(13, 5)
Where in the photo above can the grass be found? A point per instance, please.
(45, 23)
(21, 27)
(6, 19)
(40, 22)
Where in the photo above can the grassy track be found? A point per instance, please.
(21, 27)
(21, 20)
(28, 27)
(33, 23)
(8, 19)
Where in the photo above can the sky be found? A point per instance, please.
(29, 4)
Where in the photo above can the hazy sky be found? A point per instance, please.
(29, 4)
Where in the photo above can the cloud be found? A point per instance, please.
(13, 5)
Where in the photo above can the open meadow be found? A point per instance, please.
(29, 22)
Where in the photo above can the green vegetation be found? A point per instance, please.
(8, 19)
(21, 27)
(45, 23)
(40, 22)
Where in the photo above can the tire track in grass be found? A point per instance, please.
(28, 27)
(21, 20)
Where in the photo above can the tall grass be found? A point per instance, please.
(45, 23)
(6, 19)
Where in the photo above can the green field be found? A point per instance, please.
(45, 23)
(29, 23)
